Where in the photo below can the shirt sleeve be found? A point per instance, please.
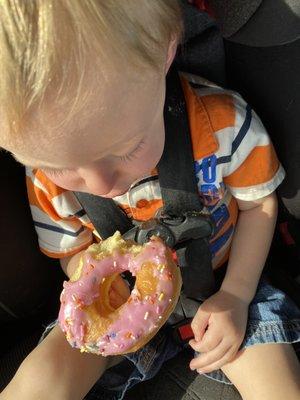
(253, 170)
(61, 224)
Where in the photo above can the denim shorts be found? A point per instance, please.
(273, 318)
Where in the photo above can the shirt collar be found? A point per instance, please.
(202, 133)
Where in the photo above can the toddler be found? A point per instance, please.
(82, 89)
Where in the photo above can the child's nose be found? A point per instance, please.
(98, 179)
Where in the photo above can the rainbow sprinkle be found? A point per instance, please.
(161, 296)
(74, 298)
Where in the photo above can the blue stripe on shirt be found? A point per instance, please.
(243, 130)
(220, 242)
(240, 136)
(236, 142)
(57, 229)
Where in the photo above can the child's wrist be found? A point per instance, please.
(239, 288)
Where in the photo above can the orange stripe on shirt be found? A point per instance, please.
(259, 167)
(51, 188)
(202, 133)
(144, 210)
(40, 199)
(220, 109)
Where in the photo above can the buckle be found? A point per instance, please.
(143, 232)
(173, 230)
(182, 331)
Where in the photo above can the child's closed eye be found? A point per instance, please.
(134, 153)
(57, 173)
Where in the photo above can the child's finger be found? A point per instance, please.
(210, 340)
(199, 324)
(205, 359)
(227, 357)
(121, 286)
(115, 299)
(207, 343)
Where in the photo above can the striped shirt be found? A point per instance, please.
(233, 158)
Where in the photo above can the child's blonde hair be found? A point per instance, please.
(45, 43)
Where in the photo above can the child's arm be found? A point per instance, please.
(54, 369)
(250, 247)
(69, 264)
(220, 323)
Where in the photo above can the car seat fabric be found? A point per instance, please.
(26, 276)
(202, 49)
(268, 78)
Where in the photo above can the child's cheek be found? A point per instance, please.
(66, 180)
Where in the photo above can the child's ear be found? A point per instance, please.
(171, 53)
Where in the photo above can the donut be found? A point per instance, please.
(98, 314)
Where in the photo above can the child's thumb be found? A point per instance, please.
(199, 324)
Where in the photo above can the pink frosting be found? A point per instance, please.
(136, 318)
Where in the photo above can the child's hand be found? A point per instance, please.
(118, 292)
(219, 328)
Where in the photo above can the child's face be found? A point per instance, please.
(117, 139)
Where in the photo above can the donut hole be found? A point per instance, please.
(118, 292)
(129, 278)
(115, 290)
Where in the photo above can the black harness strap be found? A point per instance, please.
(105, 215)
(176, 172)
(180, 191)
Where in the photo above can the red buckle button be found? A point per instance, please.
(185, 332)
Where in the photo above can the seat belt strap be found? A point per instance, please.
(105, 215)
(176, 171)
(179, 188)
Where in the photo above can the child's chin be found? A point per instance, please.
(114, 193)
